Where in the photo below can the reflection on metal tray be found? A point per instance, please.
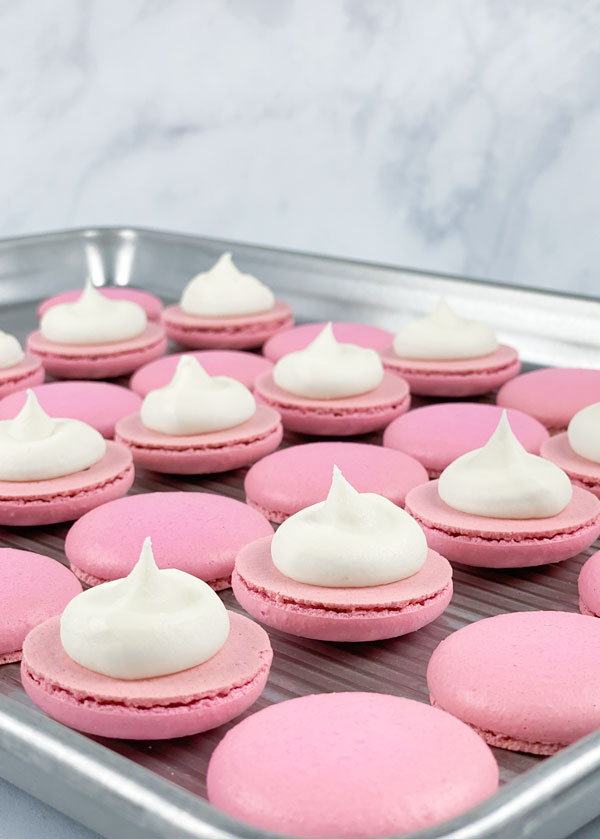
(156, 790)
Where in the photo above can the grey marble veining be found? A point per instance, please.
(452, 135)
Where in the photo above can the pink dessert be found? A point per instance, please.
(526, 681)
(294, 478)
(339, 614)
(243, 366)
(239, 332)
(175, 705)
(504, 543)
(552, 395)
(339, 417)
(99, 361)
(437, 434)
(28, 503)
(33, 588)
(589, 587)
(459, 377)
(200, 454)
(583, 473)
(300, 337)
(151, 304)
(99, 404)
(27, 373)
(197, 532)
(349, 765)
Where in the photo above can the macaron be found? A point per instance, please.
(349, 765)
(243, 366)
(150, 303)
(589, 587)
(435, 435)
(525, 681)
(27, 373)
(552, 395)
(299, 337)
(291, 479)
(33, 588)
(583, 473)
(99, 404)
(175, 705)
(197, 532)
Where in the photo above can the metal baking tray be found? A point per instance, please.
(156, 790)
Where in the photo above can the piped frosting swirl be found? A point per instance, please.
(224, 291)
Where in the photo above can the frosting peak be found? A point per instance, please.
(584, 433)
(328, 369)
(350, 540)
(502, 480)
(36, 447)
(11, 352)
(93, 319)
(195, 403)
(444, 335)
(151, 623)
(224, 291)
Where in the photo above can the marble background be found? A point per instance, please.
(452, 135)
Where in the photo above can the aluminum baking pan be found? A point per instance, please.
(151, 790)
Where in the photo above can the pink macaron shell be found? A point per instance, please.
(505, 543)
(339, 614)
(360, 334)
(27, 373)
(526, 681)
(463, 377)
(99, 404)
(28, 503)
(202, 454)
(552, 395)
(349, 765)
(197, 532)
(243, 366)
(582, 472)
(151, 304)
(99, 361)
(336, 417)
(291, 479)
(176, 705)
(589, 586)
(33, 588)
(437, 434)
(241, 332)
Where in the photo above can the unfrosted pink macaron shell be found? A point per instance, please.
(175, 705)
(300, 337)
(294, 478)
(243, 366)
(349, 765)
(589, 586)
(552, 395)
(27, 373)
(33, 588)
(437, 434)
(582, 472)
(197, 532)
(237, 333)
(151, 304)
(526, 680)
(100, 404)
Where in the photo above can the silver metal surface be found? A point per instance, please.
(139, 789)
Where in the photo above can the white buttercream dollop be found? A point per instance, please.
(327, 369)
(443, 336)
(36, 447)
(11, 352)
(350, 540)
(195, 403)
(502, 480)
(93, 319)
(151, 623)
(584, 433)
(224, 291)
